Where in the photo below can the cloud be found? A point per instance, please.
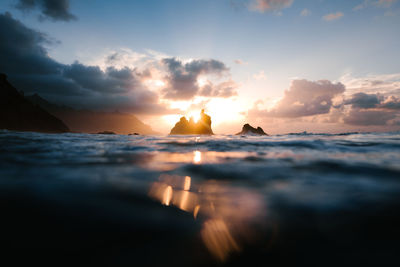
(363, 100)
(368, 117)
(333, 16)
(22, 49)
(373, 101)
(376, 3)
(52, 9)
(386, 84)
(371, 109)
(124, 57)
(112, 84)
(109, 81)
(240, 62)
(391, 102)
(224, 89)
(306, 98)
(28, 65)
(182, 78)
(324, 102)
(385, 3)
(269, 5)
(305, 12)
(259, 76)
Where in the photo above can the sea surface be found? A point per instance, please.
(117, 200)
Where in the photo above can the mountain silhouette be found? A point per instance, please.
(249, 130)
(203, 126)
(18, 114)
(88, 121)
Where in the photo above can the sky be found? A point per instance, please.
(284, 65)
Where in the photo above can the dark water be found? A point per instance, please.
(113, 200)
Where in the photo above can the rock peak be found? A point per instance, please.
(185, 127)
(249, 130)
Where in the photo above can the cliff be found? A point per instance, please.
(88, 121)
(18, 114)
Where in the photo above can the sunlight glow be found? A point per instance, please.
(227, 212)
(195, 115)
(182, 105)
(186, 185)
(218, 239)
(196, 211)
(171, 119)
(159, 83)
(196, 157)
(201, 81)
(167, 196)
(224, 110)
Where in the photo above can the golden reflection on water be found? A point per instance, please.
(196, 157)
(167, 161)
(218, 239)
(225, 211)
(186, 186)
(167, 195)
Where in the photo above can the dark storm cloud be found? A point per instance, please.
(53, 9)
(306, 98)
(225, 89)
(362, 100)
(21, 49)
(371, 109)
(182, 77)
(373, 101)
(92, 77)
(26, 62)
(368, 117)
(392, 102)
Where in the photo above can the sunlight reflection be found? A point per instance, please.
(218, 239)
(196, 211)
(167, 195)
(196, 157)
(226, 212)
(186, 186)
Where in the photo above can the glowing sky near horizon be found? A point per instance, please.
(264, 45)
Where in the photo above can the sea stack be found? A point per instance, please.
(185, 127)
(249, 130)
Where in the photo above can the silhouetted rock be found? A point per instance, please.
(88, 121)
(106, 132)
(134, 134)
(203, 126)
(17, 113)
(249, 130)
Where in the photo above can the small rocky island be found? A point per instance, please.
(187, 127)
(249, 130)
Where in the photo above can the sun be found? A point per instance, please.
(195, 115)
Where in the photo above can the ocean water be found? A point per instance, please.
(223, 200)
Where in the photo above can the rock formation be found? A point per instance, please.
(203, 126)
(106, 132)
(249, 130)
(18, 114)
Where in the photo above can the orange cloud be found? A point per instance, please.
(333, 16)
(269, 5)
